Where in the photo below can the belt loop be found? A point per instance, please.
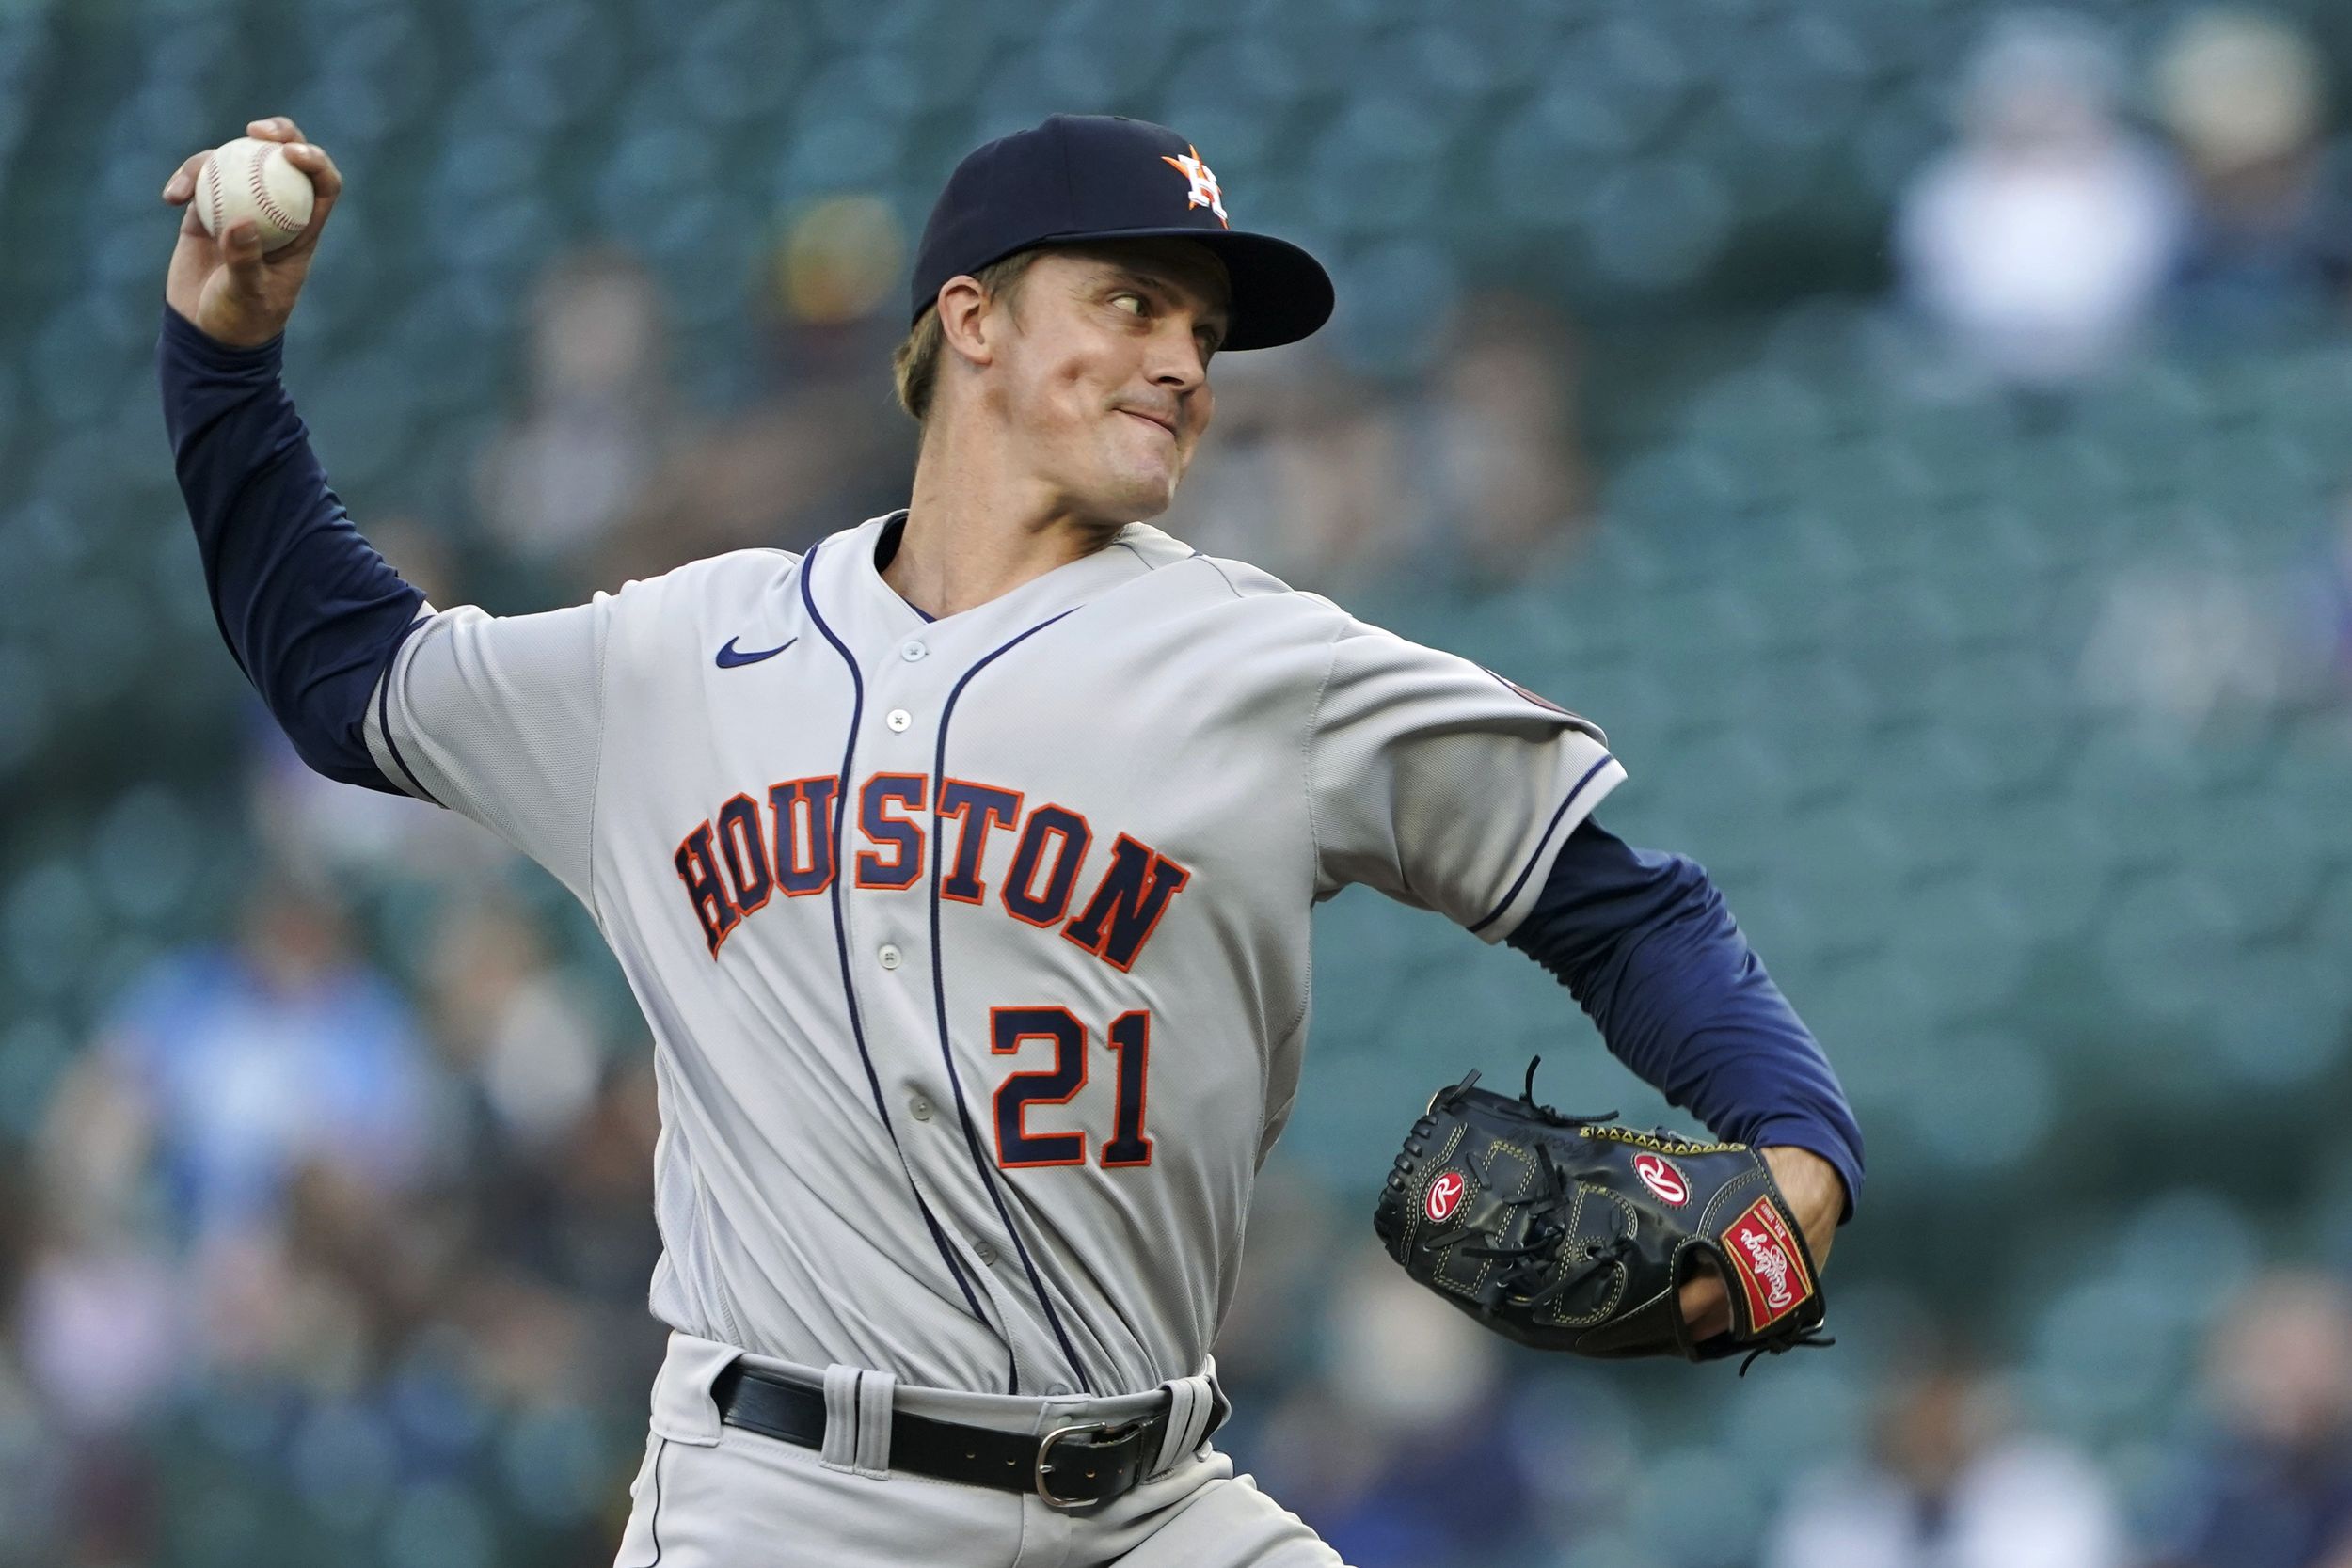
(857, 1420)
(876, 1393)
(1190, 1403)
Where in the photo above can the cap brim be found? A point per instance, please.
(1280, 293)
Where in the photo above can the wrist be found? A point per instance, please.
(1813, 1188)
(218, 352)
(1832, 1142)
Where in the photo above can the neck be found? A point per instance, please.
(976, 530)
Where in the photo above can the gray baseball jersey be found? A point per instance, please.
(975, 950)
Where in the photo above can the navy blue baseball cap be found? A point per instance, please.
(1105, 177)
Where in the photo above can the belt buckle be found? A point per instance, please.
(1045, 1459)
(1113, 1429)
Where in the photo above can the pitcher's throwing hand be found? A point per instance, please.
(229, 288)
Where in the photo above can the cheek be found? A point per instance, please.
(1056, 394)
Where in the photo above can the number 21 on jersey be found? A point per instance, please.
(1130, 1039)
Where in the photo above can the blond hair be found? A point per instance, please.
(915, 366)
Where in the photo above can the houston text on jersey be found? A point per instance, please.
(787, 839)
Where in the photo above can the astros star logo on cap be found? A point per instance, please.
(1203, 191)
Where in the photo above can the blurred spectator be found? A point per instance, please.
(2272, 1486)
(238, 1066)
(1332, 483)
(2245, 96)
(1306, 473)
(501, 1012)
(1951, 1484)
(1402, 1452)
(2037, 245)
(596, 417)
(2177, 648)
(826, 446)
(1510, 489)
(218, 1187)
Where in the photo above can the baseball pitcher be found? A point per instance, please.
(962, 868)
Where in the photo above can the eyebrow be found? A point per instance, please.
(1218, 316)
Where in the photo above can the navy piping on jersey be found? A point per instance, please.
(383, 708)
(653, 1520)
(1549, 828)
(841, 944)
(1198, 555)
(939, 996)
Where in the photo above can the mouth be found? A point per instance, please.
(1152, 419)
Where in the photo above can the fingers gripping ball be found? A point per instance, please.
(1566, 1234)
(252, 179)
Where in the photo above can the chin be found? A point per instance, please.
(1136, 496)
(1148, 503)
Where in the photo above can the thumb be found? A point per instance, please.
(241, 253)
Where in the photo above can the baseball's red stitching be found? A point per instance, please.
(212, 185)
(269, 209)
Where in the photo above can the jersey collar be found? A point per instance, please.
(847, 587)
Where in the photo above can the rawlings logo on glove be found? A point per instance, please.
(1565, 1233)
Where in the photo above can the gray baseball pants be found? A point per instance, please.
(712, 1496)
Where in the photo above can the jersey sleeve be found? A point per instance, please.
(1441, 783)
(502, 720)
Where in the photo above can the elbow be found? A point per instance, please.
(336, 749)
(325, 721)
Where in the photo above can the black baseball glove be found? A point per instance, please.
(1566, 1233)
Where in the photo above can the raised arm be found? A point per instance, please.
(311, 612)
(498, 718)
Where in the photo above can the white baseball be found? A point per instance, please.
(252, 179)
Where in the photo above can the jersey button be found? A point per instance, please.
(889, 957)
(985, 1252)
(898, 719)
(919, 1108)
(912, 651)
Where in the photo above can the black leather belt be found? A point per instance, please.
(1084, 1462)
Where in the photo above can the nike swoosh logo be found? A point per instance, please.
(730, 660)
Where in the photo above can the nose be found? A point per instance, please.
(1176, 361)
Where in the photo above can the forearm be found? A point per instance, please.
(311, 611)
(1645, 946)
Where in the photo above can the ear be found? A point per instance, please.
(966, 319)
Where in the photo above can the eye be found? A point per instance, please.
(1143, 306)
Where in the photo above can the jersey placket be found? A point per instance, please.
(890, 848)
(914, 672)
(881, 988)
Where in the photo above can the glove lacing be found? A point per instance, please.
(1527, 1265)
(1812, 1339)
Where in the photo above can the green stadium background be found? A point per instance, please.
(2008, 706)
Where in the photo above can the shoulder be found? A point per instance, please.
(715, 588)
(1234, 591)
(735, 573)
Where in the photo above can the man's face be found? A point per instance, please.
(1104, 377)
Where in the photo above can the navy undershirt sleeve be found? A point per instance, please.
(312, 612)
(1643, 942)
